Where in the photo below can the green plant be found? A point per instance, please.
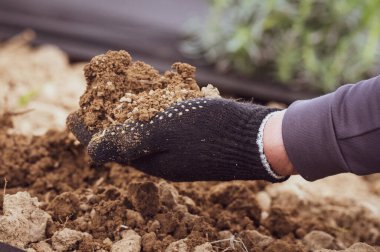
(26, 98)
(319, 44)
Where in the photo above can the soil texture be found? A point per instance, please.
(122, 90)
(54, 199)
(89, 208)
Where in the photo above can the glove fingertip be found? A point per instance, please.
(76, 125)
(101, 148)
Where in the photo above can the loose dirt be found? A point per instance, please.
(122, 90)
(94, 207)
(83, 207)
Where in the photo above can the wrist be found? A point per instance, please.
(274, 148)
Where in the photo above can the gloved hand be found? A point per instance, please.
(200, 139)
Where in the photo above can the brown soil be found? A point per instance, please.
(94, 208)
(119, 89)
(102, 202)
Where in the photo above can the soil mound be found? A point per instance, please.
(83, 207)
(122, 90)
(102, 208)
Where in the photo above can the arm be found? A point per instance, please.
(219, 139)
(199, 139)
(335, 133)
(274, 148)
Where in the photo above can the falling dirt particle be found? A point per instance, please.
(23, 221)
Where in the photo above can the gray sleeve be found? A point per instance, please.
(335, 133)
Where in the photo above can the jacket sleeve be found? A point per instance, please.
(335, 133)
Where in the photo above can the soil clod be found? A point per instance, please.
(122, 90)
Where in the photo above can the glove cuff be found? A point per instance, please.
(240, 152)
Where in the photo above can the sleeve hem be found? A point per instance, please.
(310, 140)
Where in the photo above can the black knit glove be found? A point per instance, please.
(200, 139)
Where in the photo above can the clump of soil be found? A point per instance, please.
(122, 90)
(23, 222)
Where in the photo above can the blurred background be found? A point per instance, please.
(274, 50)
